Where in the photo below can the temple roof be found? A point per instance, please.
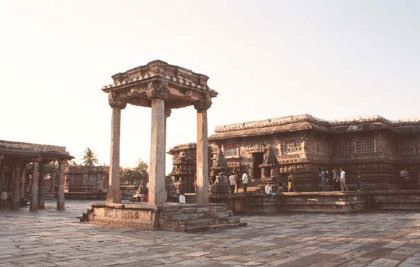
(182, 87)
(308, 122)
(22, 150)
(182, 147)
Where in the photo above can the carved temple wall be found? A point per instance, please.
(373, 147)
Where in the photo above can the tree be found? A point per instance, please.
(137, 173)
(89, 158)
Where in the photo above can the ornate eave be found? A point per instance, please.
(307, 122)
(179, 87)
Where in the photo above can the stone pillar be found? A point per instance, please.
(157, 92)
(157, 193)
(1, 169)
(22, 181)
(34, 189)
(52, 181)
(16, 186)
(61, 182)
(202, 153)
(167, 114)
(41, 192)
(113, 194)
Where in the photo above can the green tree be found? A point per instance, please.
(137, 173)
(89, 158)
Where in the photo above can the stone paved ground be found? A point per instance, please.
(51, 238)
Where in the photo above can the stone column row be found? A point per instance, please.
(37, 190)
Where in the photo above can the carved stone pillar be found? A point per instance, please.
(202, 152)
(113, 194)
(34, 189)
(41, 192)
(61, 182)
(157, 92)
(16, 186)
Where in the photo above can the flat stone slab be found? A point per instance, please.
(51, 238)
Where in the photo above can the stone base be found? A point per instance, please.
(170, 217)
(330, 202)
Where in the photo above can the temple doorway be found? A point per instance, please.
(257, 159)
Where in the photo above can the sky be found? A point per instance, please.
(267, 59)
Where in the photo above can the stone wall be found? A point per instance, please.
(327, 202)
(373, 147)
(87, 178)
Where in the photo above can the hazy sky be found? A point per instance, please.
(331, 59)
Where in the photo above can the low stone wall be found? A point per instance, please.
(85, 195)
(335, 202)
(329, 202)
(395, 200)
(171, 217)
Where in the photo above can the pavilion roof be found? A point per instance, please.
(22, 150)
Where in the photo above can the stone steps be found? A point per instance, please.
(198, 218)
(190, 198)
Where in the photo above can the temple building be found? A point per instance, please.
(29, 172)
(373, 147)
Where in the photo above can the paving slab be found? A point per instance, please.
(56, 238)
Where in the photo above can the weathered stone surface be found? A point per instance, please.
(113, 193)
(171, 217)
(50, 238)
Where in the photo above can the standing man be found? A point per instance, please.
(245, 181)
(3, 199)
(323, 174)
(405, 177)
(343, 180)
(232, 182)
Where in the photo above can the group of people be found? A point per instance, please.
(337, 177)
(234, 182)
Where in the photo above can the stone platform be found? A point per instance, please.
(170, 217)
(327, 202)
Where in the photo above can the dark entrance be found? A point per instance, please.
(257, 159)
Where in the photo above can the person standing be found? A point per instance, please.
(405, 177)
(323, 174)
(3, 199)
(238, 180)
(335, 178)
(358, 178)
(290, 183)
(245, 181)
(232, 183)
(343, 180)
(181, 198)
